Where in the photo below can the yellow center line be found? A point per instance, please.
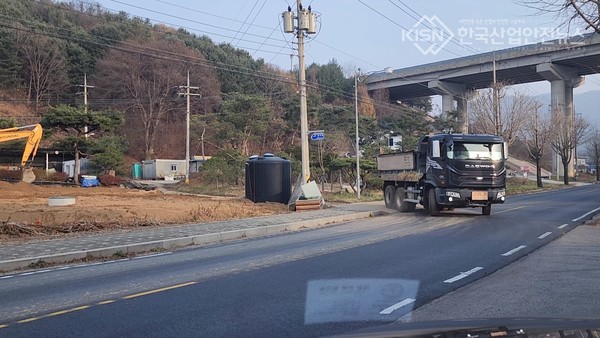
(62, 312)
(521, 207)
(159, 290)
(28, 320)
(3, 326)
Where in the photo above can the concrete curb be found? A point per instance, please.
(173, 243)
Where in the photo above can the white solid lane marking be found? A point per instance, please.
(545, 235)
(463, 275)
(563, 226)
(508, 253)
(585, 215)
(85, 265)
(33, 272)
(396, 306)
(154, 255)
(501, 211)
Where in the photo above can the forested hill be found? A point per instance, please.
(246, 106)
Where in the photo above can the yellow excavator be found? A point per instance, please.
(33, 134)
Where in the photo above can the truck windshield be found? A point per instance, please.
(475, 151)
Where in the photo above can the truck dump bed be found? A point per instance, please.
(405, 161)
(398, 166)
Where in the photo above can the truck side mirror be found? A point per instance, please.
(435, 149)
(505, 148)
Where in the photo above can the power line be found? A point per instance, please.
(265, 27)
(179, 18)
(209, 14)
(406, 29)
(244, 23)
(287, 42)
(426, 24)
(340, 51)
(253, 19)
(273, 31)
(168, 55)
(210, 64)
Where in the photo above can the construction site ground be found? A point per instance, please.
(25, 213)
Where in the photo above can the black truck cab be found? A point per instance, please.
(464, 170)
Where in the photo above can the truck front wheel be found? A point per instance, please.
(389, 197)
(433, 206)
(487, 210)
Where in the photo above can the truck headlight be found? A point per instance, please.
(501, 194)
(453, 194)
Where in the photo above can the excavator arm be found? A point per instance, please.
(32, 133)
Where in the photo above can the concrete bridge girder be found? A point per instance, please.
(562, 81)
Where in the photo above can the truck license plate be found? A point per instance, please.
(479, 195)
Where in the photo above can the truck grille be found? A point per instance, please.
(474, 181)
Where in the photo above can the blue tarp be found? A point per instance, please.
(90, 182)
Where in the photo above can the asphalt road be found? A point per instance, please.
(310, 283)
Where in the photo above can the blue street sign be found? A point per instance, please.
(317, 136)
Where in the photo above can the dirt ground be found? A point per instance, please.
(24, 210)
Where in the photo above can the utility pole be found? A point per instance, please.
(85, 100)
(202, 142)
(357, 137)
(356, 120)
(306, 24)
(187, 124)
(303, 105)
(496, 104)
(77, 169)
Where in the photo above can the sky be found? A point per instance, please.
(366, 34)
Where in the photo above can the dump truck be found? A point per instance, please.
(33, 134)
(446, 171)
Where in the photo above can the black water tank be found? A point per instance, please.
(268, 179)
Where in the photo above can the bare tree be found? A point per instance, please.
(45, 65)
(569, 133)
(515, 108)
(580, 13)
(380, 101)
(365, 103)
(537, 134)
(593, 150)
(144, 74)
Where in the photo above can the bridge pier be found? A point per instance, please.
(452, 91)
(562, 81)
(447, 102)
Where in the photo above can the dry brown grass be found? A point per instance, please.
(24, 210)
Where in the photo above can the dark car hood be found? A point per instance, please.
(497, 327)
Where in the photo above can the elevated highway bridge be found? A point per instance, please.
(564, 63)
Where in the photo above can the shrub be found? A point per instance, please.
(11, 175)
(58, 177)
(109, 180)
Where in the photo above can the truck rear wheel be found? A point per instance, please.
(433, 206)
(389, 198)
(487, 210)
(400, 203)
